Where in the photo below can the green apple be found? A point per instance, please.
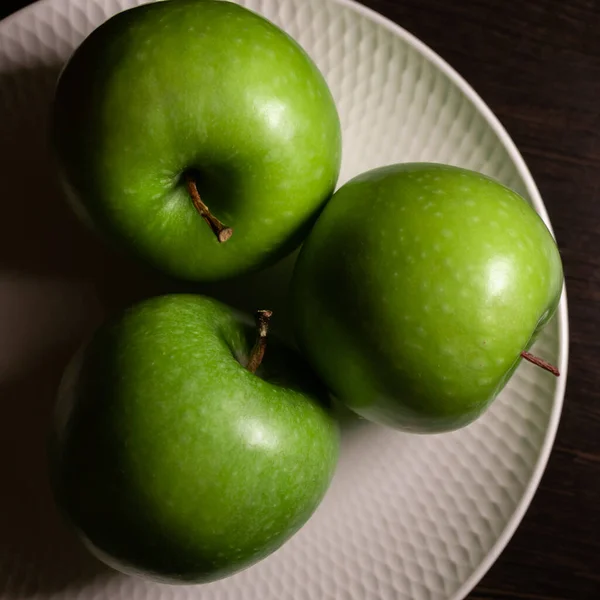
(178, 123)
(418, 290)
(177, 454)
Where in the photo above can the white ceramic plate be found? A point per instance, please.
(407, 517)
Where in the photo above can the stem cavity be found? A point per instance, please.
(222, 232)
(262, 318)
(540, 363)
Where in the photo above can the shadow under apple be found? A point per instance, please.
(57, 282)
(46, 304)
(40, 554)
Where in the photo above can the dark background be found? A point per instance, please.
(537, 65)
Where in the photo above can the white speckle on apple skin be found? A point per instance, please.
(478, 364)
(475, 219)
(447, 233)
(470, 203)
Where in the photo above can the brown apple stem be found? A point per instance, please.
(222, 232)
(258, 351)
(540, 363)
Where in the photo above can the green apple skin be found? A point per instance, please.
(171, 459)
(203, 87)
(417, 290)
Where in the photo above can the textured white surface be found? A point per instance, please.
(407, 517)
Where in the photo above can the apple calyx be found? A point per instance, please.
(222, 232)
(262, 318)
(540, 363)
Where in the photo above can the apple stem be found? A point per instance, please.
(262, 318)
(540, 363)
(222, 232)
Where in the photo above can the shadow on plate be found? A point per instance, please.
(49, 269)
(40, 555)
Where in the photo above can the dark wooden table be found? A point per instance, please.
(537, 65)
